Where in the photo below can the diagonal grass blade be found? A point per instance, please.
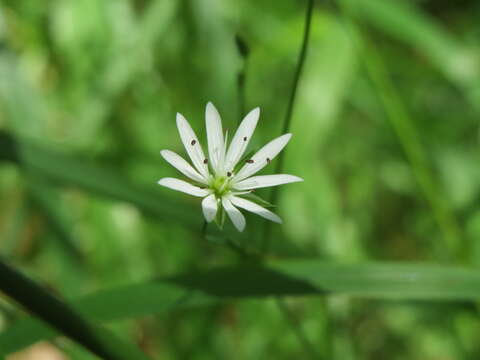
(59, 315)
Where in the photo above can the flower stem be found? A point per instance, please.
(288, 115)
(295, 325)
(243, 49)
(242, 73)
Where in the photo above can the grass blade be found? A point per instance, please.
(70, 171)
(279, 278)
(48, 202)
(405, 128)
(59, 315)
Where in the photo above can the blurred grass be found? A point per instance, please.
(409, 138)
(385, 135)
(281, 278)
(63, 318)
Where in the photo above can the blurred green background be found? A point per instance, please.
(386, 133)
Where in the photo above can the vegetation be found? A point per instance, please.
(379, 252)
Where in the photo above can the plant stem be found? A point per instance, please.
(408, 136)
(59, 315)
(241, 76)
(288, 115)
(241, 92)
(294, 324)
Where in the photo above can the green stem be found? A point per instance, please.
(294, 324)
(286, 312)
(296, 327)
(288, 115)
(241, 76)
(404, 127)
(60, 316)
(241, 92)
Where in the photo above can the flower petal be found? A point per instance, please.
(183, 186)
(192, 145)
(209, 207)
(261, 181)
(262, 157)
(255, 208)
(241, 139)
(216, 145)
(234, 214)
(182, 165)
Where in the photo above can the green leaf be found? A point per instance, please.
(406, 22)
(48, 201)
(279, 278)
(59, 315)
(68, 170)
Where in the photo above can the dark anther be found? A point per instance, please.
(250, 161)
(268, 160)
(245, 138)
(205, 161)
(229, 174)
(193, 142)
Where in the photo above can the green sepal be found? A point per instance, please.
(220, 216)
(257, 200)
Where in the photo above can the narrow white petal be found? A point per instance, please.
(255, 208)
(234, 214)
(182, 165)
(192, 145)
(241, 139)
(209, 207)
(183, 186)
(262, 157)
(261, 181)
(216, 145)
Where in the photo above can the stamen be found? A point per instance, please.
(205, 161)
(268, 160)
(250, 161)
(245, 138)
(229, 174)
(193, 142)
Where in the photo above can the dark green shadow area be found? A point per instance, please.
(245, 281)
(8, 150)
(388, 281)
(62, 317)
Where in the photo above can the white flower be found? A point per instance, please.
(216, 178)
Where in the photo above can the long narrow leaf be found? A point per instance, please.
(47, 200)
(69, 171)
(279, 278)
(59, 315)
(72, 171)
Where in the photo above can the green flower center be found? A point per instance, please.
(220, 185)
